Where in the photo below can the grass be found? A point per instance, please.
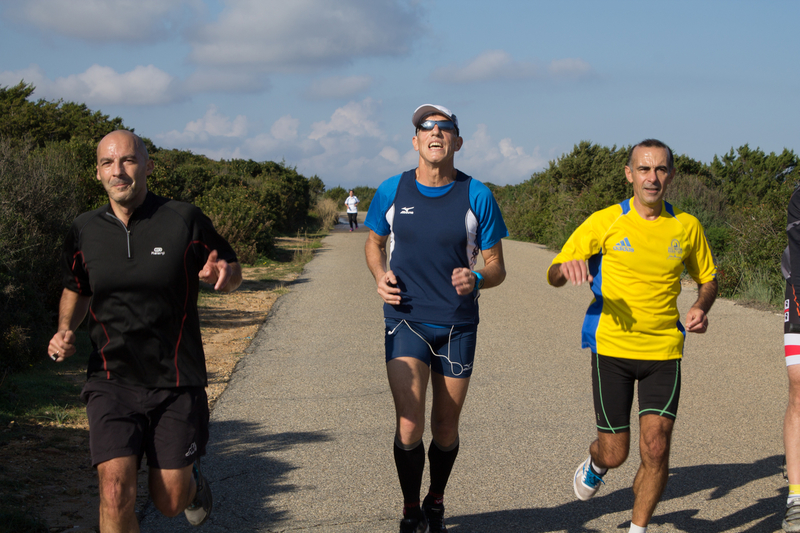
(290, 256)
(47, 392)
(756, 289)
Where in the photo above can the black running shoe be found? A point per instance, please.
(414, 522)
(434, 513)
(197, 513)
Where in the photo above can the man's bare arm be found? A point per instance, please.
(574, 271)
(697, 316)
(375, 251)
(71, 311)
(493, 272)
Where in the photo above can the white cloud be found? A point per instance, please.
(349, 149)
(100, 85)
(217, 125)
(302, 34)
(500, 163)
(33, 74)
(213, 125)
(285, 128)
(390, 154)
(570, 68)
(352, 120)
(105, 20)
(498, 65)
(338, 87)
(492, 65)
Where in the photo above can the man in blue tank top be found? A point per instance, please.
(427, 227)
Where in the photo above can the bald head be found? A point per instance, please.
(120, 136)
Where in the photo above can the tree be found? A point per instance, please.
(48, 121)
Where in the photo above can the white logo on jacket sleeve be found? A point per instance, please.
(157, 251)
(407, 210)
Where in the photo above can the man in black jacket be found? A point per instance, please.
(134, 266)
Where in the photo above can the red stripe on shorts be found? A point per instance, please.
(791, 349)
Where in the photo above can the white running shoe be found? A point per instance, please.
(586, 483)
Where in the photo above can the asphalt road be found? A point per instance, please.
(302, 438)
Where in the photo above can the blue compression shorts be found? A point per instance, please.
(449, 351)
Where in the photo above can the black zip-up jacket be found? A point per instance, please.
(143, 280)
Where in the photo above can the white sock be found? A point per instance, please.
(637, 529)
(597, 469)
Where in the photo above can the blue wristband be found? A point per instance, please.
(478, 281)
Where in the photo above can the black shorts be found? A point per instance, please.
(169, 425)
(613, 380)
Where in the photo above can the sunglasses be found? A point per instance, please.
(428, 125)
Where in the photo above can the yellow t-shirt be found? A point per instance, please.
(637, 266)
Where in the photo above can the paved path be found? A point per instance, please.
(302, 438)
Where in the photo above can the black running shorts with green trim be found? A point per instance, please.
(613, 380)
(169, 425)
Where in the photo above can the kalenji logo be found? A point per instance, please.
(407, 210)
(192, 449)
(157, 251)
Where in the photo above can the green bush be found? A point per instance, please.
(240, 218)
(41, 191)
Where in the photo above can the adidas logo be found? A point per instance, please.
(623, 246)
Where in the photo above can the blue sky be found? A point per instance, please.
(329, 86)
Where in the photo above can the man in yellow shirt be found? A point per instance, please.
(636, 253)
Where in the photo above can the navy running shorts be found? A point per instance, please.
(449, 351)
(169, 425)
(613, 380)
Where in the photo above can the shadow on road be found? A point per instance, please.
(719, 479)
(245, 477)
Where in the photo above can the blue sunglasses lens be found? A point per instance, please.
(428, 125)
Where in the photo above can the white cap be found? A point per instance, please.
(431, 109)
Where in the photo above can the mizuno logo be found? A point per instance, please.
(623, 246)
(157, 251)
(407, 210)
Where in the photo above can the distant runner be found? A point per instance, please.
(352, 211)
(636, 253)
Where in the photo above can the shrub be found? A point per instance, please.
(327, 213)
(239, 218)
(41, 192)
